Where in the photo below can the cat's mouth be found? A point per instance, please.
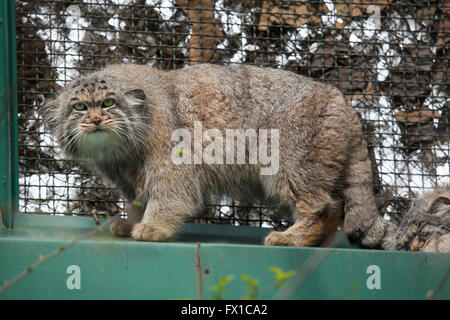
(96, 129)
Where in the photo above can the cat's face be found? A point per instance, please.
(427, 225)
(97, 118)
(434, 235)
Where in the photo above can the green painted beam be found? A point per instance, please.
(107, 267)
(9, 189)
(338, 273)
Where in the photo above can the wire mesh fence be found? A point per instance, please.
(389, 58)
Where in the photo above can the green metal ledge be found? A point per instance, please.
(107, 267)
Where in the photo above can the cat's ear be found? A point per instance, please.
(48, 112)
(439, 204)
(135, 96)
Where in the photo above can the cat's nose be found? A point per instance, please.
(96, 120)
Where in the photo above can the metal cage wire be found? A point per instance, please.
(388, 57)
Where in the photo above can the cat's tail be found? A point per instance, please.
(363, 225)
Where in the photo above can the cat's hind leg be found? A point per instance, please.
(318, 224)
(363, 224)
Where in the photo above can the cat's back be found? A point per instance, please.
(245, 83)
(245, 79)
(241, 94)
(230, 96)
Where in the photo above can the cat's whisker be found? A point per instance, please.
(126, 137)
(122, 133)
(74, 140)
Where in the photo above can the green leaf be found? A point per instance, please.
(276, 270)
(280, 275)
(219, 288)
(214, 288)
(224, 280)
(251, 281)
(137, 203)
(181, 152)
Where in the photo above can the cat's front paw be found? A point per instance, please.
(121, 227)
(276, 238)
(148, 232)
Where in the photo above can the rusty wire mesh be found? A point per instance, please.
(389, 58)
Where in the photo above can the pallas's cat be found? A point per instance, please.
(164, 137)
(426, 226)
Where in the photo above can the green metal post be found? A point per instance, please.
(9, 187)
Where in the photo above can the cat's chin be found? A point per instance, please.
(100, 146)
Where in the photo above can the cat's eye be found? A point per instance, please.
(80, 106)
(108, 103)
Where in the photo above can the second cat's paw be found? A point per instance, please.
(121, 227)
(148, 232)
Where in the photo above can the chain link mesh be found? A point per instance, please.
(388, 57)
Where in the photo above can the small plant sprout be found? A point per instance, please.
(252, 285)
(251, 288)
(219, 291)
(281, 276)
